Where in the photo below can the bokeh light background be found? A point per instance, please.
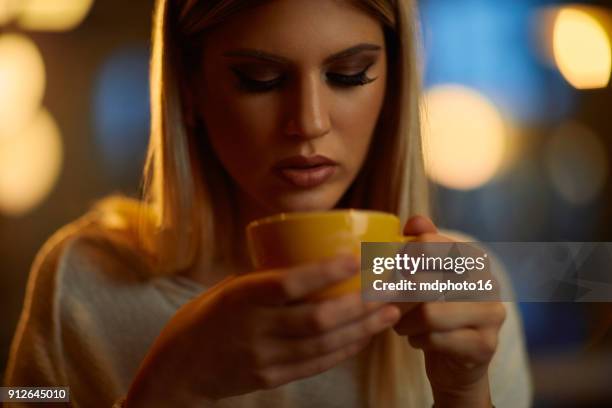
(516, 115)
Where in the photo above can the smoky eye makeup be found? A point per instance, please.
(351, 72)
(346, 72)
(350, 75)
(251, 78)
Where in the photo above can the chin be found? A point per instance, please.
(307, 201)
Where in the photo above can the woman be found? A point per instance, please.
(152, 305)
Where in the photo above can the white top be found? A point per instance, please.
(91, 312)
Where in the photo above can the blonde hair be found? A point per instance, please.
(186, 193)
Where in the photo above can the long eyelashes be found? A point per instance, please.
(349, 80)
(358, 79)
(338, 80)
(252, 85)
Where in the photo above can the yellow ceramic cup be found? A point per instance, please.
(289, 239)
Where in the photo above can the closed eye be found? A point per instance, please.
(343, 80)
(248, 84)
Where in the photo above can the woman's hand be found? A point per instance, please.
(255, 331)
(458, 338)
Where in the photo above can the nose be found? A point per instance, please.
(309, 116)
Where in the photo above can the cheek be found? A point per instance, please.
(356, 116)
(240, 130)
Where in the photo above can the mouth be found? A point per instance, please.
(306, 172)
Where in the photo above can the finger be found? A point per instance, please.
(444, 316)
(312, 318)
(419, 224)
(467, 345)
(405, 307)
(282, 374)
(281, 286)
(299, 349)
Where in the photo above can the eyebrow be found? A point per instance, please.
(258, 54)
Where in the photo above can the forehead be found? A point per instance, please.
(296, 29)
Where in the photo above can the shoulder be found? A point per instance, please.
(86, 286)
(63, 278)
(86, 247)
(107, 235)
(75, 261)
(81, 260)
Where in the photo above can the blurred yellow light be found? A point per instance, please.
(8, 9)
(53, 15)
(577, 163)
(581, 49)
(22, 82)
(464, 137)
(29, 165)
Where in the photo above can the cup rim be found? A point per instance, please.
(299, 215)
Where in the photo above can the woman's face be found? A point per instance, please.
(287, 81)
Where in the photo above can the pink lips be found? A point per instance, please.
(306, 172)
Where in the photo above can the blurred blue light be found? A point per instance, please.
(488, 45)
(121, 109)
(554, 327)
